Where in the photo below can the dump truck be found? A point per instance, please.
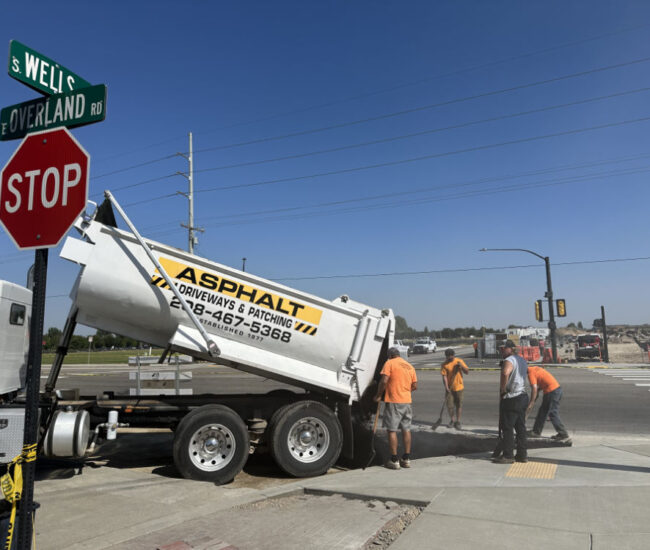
(166, 297)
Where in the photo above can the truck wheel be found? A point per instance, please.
(306, 438)
(211, 443)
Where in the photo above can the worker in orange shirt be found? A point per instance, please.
(452, 371)
(398, 380)
(543, 380)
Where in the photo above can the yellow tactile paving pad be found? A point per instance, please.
(532, 470)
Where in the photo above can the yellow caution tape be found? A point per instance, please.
(12, 486)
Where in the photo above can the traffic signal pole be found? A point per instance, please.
(551, 314)
(606, 347)
(549, 291)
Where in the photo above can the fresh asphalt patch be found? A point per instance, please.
(292, 522)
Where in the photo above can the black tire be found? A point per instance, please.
(305, 438)
(211, 443)
(284, 395)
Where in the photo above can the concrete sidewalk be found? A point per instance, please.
(594, 495)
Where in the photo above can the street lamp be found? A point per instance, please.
(548, 295)
(243, 264)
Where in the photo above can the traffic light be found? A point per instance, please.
(539, 314)
(561, 308)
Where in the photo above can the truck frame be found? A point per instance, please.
(180, 302)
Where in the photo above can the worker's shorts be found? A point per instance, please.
(398, 416)
(455, 398)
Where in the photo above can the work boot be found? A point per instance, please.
(521, 459)
(457, 425)
(392, 465)
(503, 460)
(405, 462)
(533, 433)
(451, 424)
(560, 437)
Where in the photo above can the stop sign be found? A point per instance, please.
(43, 188)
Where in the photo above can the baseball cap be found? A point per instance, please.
(509, 344)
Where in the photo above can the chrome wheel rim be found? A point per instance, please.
(212, 447)
(308, 439)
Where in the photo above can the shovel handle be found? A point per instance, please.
(374, 426)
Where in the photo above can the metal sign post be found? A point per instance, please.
(33, 378)
(53, 166)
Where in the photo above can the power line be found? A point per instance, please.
(429, 189)
(457, 270)
(427, 107)
(482, 121)
(381, 91)
(149, 146)
(140, 165)
(429, 79)
(403, 161)
(138, 184)
(419, 201)
(426, 157)
(430, 131)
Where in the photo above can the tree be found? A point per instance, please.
(446, 333)
(52, 338)
(580, 325)
(78, 342)
(401, 326)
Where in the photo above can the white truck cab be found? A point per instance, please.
(404, 350)
(425, 345)
(15, 309)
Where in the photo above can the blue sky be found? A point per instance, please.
(567, 181)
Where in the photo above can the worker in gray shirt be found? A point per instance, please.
(512, 405)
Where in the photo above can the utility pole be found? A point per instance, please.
(243, 264)
(192, 239)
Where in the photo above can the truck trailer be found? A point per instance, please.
(183, 303)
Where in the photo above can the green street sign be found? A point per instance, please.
(70, 109)
(41, 73)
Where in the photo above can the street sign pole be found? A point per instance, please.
(33, 378)
(54, 167)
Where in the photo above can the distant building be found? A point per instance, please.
(529, 332)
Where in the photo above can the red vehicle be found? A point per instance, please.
(589, 346)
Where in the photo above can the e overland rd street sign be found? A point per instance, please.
(69, 109)
(40, 72)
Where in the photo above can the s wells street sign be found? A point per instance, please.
(40, 72)
(43, 188)
(69, 109)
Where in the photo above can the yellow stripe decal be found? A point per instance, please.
(307, 329)
(236, 289)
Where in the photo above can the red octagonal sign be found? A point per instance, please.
(44, 188)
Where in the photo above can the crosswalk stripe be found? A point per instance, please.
(639, 375)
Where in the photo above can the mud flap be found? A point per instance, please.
(344, 413)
